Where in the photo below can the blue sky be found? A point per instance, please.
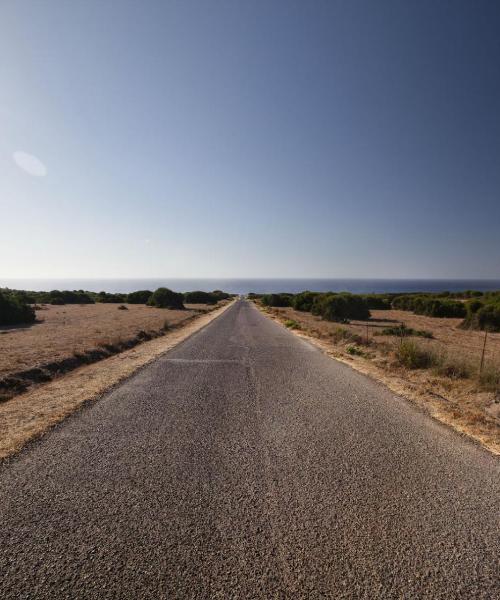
(250, 139)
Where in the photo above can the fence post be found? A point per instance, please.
(482, 354)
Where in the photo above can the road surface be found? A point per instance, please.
(246, 464)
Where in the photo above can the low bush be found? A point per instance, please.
(413, 356)
(482, 315)
(291, 324)
(341, 334)
(60, 297)
(220, 295)
(490, 378)
(199, 297)
(304, 301)
(139, 297)
(122, 307)
(165, 298)
(340, 307)
(377, 301)
(430, 306)
(454, 368)
(14, 312)
(354, 351)
(278, 300)
(107, 298)
(403, 331)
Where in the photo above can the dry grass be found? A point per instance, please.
(31, 414)
(72, 329)
(440, 374)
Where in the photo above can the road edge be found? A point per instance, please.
(394, 384)
(29, 416)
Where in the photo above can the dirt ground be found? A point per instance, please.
(62, 331)
(447, 336)
(461, 403)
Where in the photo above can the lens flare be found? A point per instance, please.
(29, 163)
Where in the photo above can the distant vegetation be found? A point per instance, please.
(18, 306)
(480, 310)
(340, 307)
(280, 300)
(165, 298)
(140, 297)
(430, 306)
(199, 297)
(304, 301)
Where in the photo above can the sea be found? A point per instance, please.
(245, 286)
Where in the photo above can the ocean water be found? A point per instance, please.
(244, 286)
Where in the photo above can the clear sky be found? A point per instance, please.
(249, 139)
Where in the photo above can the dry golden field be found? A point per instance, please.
(62, 333)
(447, 335)
(64, 330)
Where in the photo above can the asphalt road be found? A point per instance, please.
(246, 464)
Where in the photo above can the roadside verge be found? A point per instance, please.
(447, 401)
(31, 414)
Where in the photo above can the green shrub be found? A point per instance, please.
(59, 297)
(377, 301)
(430, 305)
(340, 307)
(165, 298)
(14, 312)
(304, 301)
(220, 295)
(341, 334)
(413, 356)
(354, 351)
(199, 297)
(483, 316)
(278, 300)
(403, 331)
(107, 298)
(404, 302)
(291, 324)
(139, 297)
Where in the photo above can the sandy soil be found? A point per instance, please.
(30, 414)
(448, 337)
(447, 334)
(63, 331)
(459, 403)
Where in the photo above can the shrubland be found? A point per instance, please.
(430, 306)
(199, 297)
(14, 311)
(340, 307)
(139, 297)
(166, 298)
